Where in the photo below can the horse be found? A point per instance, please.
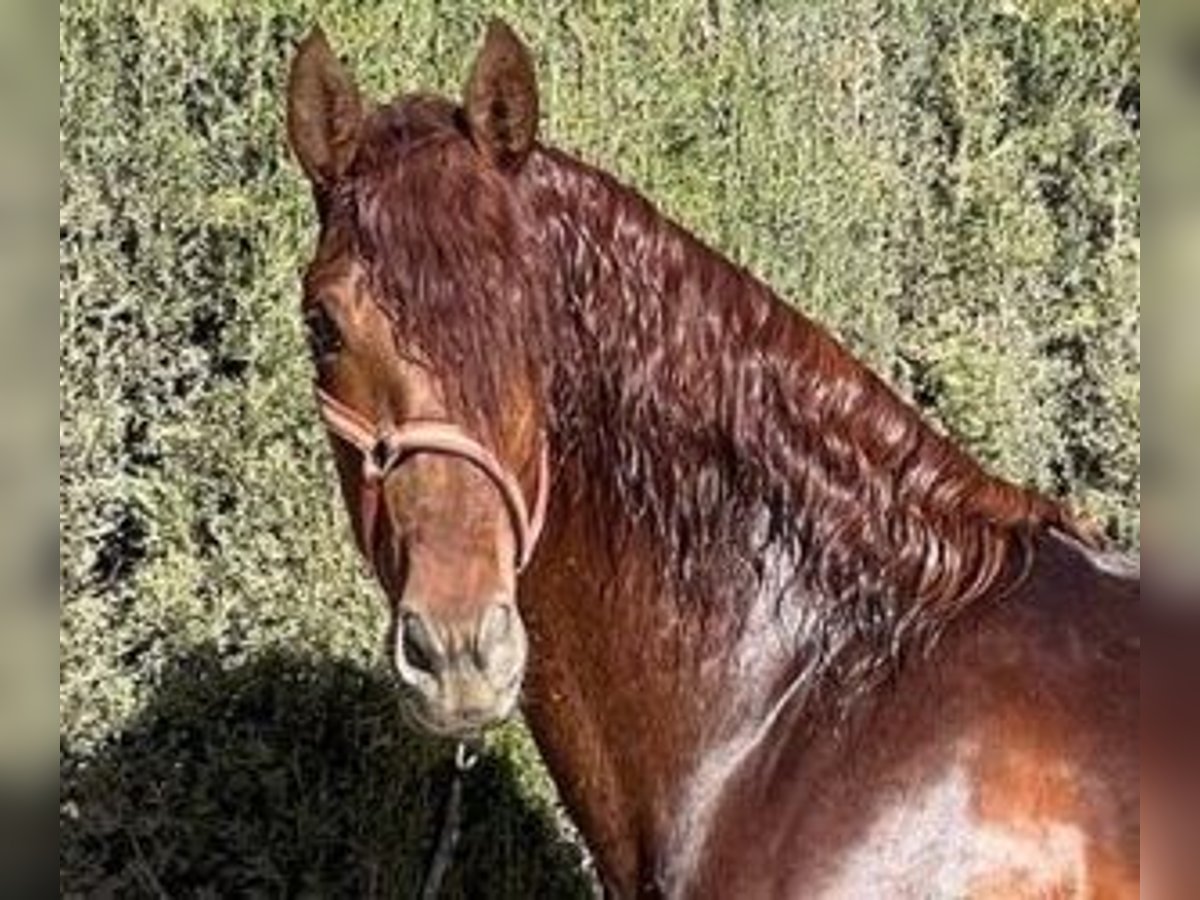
(773, 634)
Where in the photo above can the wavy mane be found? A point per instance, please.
(726, 424)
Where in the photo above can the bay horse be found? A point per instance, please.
(773, 634)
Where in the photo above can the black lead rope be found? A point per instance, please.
(465, 757)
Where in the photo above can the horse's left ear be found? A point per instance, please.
(501, 98)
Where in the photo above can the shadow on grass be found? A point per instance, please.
(285, 778)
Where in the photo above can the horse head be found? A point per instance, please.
(438, 429)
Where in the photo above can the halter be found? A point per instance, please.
(386, 448)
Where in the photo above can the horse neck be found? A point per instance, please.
(704, 405)
(632, 674)
(700, 424)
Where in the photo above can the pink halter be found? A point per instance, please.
(385, 449)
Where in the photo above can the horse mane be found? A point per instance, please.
(707, 411)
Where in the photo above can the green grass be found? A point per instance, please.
(954, 187)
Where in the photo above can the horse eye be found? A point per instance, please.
(324, 339)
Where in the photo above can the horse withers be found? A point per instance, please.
(774, 635)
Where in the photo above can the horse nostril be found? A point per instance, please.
(500, 644)
(417, 646)
(496, 625)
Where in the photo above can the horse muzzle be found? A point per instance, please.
(464, 677)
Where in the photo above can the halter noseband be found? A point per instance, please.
(385, 449)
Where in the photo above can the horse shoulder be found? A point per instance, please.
(1001, 764)
(1032, 785)
(1054, 750)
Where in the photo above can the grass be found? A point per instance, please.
(953, 187)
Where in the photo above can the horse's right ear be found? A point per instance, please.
(324, 111)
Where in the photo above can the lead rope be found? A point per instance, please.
(465, 757)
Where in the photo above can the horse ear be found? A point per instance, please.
(324, 111)
(501, 98)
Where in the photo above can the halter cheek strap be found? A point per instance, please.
(386, 449)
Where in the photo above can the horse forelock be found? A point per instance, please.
(449, 256)
(703, 409)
